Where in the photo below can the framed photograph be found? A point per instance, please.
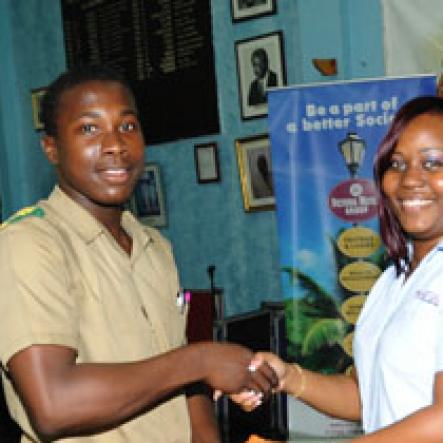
(148, 202)
(254, 165)
(207, 166)
(244, 9)
(260, 66)
(36, 97)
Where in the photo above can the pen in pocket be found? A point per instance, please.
(183, 299)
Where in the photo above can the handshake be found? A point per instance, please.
(268, 374)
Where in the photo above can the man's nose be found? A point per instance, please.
(113, 142)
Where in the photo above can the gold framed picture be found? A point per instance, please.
(36, 97)
(255, 169)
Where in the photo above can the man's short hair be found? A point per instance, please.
(67, 80)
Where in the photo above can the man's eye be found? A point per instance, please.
(89, 128)
(128, 127)
(432, 164)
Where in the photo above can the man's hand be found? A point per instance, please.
(230, 368)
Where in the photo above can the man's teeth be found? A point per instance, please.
(115, 171)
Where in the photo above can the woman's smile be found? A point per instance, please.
(415, 203)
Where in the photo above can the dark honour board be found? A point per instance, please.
(163, 47)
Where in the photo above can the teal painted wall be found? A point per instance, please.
(206, 223)
(32, 46)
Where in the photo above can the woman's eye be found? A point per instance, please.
(397, 165)
(88, 128)
(432, 164)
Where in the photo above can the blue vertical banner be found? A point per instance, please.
(323, 141)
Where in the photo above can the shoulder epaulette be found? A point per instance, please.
(29, 211)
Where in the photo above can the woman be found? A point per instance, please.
(397, 386)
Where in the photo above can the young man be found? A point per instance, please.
(91, 340)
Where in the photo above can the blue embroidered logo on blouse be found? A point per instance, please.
(428, 297)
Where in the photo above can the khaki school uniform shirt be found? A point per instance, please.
(64, 280)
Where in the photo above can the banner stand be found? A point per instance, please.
(323, 141)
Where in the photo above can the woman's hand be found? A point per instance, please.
(247, 400)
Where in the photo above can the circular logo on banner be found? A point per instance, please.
(351, 308)
(354, 200)
(358, 242)
(347, 343)
(359, 276)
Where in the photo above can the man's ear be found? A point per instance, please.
(49, 147)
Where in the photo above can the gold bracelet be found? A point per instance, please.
(302, 380)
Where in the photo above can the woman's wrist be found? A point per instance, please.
(295, 383)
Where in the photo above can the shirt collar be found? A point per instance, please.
(437, 248)
(140, 234)
(85, 224)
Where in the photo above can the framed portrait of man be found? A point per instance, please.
(260, 66)
(246, 9)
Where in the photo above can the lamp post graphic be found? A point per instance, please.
(353, 149)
